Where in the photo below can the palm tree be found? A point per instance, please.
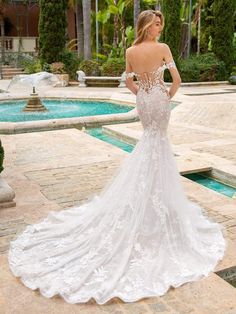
(78, 8)
(136, 12)
(116, 28)
(197, 20)
(87, 28)
(184, 12)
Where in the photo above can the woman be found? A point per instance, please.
(141, 235)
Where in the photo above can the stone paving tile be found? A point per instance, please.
(8, 230)
(76, 183)
(190, 135)
(224, 151)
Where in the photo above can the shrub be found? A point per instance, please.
(71, 62)
(57, 68)
(31, 66)
(222, 31)
(113, 67)
(232, 78)
(205, 67)
(1, 157)
(52, 26)
(90, 67)
(46, 67)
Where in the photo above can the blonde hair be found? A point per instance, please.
(145, 19)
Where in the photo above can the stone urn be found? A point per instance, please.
(63, 79)
(7, 195)
(232, 79)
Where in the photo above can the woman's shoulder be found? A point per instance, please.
(131, 48)
(137, 48)
(158, 44)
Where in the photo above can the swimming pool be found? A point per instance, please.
(11, 111)
(212, 184)
(100, 134)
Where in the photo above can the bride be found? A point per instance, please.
(140, 235)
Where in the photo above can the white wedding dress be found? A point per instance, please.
(137, 238)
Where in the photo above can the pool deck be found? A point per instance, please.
(56, 169)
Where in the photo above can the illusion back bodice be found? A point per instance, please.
(150, 79)
(153, 102)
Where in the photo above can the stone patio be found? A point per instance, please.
(56, 169)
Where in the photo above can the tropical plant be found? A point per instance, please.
(71, 62)
(205, 67)
(117, 10)
(31, 65)
(113, 67)
(90, 67)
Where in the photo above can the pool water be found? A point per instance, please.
(212, 184)
(98, 133)
(11, 111)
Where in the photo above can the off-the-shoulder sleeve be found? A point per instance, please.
(129, 74)
(171, 64)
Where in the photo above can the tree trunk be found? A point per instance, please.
(87, 28)
(116, 28)
(158, 5)
(79, 28)
(2, 39)
(136, 13)
(116, 31)
(199, 31)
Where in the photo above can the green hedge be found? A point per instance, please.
(90, 67)
(113, 67)
(205, 67)
(71, 62)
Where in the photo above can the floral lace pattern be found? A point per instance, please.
(136, 239)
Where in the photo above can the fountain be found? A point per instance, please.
(41, 80)
(34, 103)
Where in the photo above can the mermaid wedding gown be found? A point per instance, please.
(137, 238)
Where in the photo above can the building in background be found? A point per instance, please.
(21, 27)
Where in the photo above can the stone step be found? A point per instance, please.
(12, 72)
(10, 69)
(9, 76)
(8, 72)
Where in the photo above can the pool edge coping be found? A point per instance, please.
(67, 123)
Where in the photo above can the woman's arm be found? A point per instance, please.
(129, 80)
(176, 79)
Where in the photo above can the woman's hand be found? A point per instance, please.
(168, 94)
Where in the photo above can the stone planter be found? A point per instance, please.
(232, 79)
(6, 195)
(63, 79)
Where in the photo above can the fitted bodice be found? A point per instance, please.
(153, 102)
(150, 79)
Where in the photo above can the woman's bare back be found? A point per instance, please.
(149, 56)
(146, 57)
